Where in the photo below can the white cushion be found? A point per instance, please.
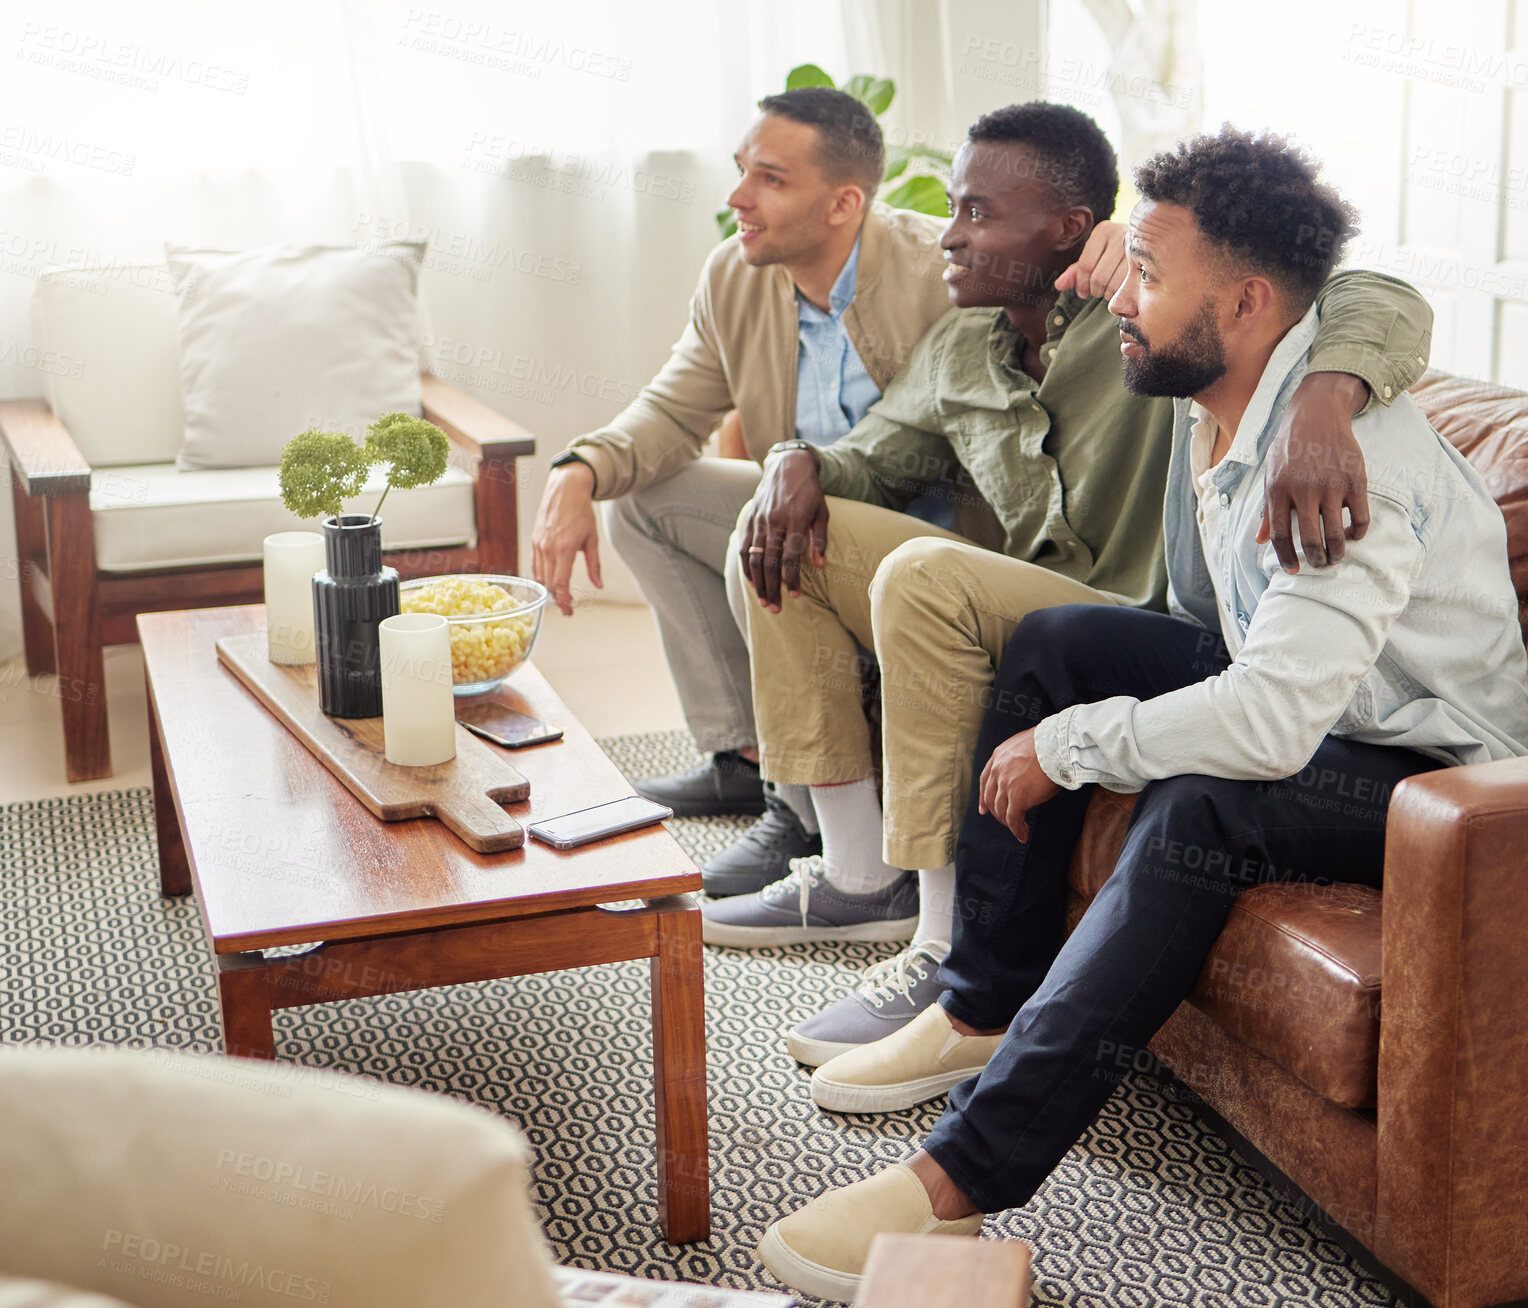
(277, 340)
(45, 1294)
(152, 516)
(169, 1179)
(114, 380)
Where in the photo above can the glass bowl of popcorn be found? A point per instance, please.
(493, 623)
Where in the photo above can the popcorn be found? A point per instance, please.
(483, 650)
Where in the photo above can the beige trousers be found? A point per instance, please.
(937, 611)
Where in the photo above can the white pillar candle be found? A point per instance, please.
(418, 707)
(291, 559)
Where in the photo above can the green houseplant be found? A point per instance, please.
(321, 469)
(923, 169)
(355, 591)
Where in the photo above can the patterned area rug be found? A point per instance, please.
(1149, 1207)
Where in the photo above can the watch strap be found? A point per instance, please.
(785, 447)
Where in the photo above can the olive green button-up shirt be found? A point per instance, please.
(1074, 468)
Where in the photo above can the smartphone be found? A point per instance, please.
(598, 822)
(506, 727)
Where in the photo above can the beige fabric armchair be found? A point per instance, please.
(107, 528)
(168, 1180)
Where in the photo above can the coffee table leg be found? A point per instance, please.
(174, 867)
(679, 1055)
(244, 989)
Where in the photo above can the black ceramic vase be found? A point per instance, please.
(350, 598)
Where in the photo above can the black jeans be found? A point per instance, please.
(1194, 844)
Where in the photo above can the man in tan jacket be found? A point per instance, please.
(798, 323)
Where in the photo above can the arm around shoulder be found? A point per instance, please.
(1374, 327)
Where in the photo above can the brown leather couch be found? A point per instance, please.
(1372, 1048)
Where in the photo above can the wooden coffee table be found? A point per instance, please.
(280, 853)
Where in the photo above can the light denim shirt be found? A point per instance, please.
(833, 390)
(1412, 640)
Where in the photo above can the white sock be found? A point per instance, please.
(936, 908)
(850, 816)
(799, 800)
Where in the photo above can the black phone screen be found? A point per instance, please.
(505, 726)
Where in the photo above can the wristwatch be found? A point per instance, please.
(567, 457)
(785, 447)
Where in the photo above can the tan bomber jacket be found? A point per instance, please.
(739, 350)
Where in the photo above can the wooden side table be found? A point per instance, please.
(278, 852)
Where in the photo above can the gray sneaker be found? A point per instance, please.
(725, 783)
(762, 854)
(803, 906)
(890, 995)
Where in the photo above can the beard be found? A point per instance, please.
(1195, 360)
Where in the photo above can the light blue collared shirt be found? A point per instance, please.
(833, 390)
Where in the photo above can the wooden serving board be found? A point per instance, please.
(464, 794)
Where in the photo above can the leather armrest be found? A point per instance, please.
(41, 451)
(1453, 1061)
(470, 423)
(491, 443)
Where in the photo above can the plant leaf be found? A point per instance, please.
(807, 75)
(879, 95)
(726, 222)
(941, 157)
(894, 167)
(922, 194)
(857, 86)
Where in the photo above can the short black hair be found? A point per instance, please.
(849, 143)
(1260, 198)
(1072, 155)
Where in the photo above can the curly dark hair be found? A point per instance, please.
(850, 147)
(1072, 155)
(1259, 198)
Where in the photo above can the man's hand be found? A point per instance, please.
(789, 516)
(1100, 268)
(1013, 782)
(565, 527)
(1315, 468)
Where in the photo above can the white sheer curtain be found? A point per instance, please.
(563, 161)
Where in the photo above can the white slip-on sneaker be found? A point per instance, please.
(821, 1249)
(925, 1059)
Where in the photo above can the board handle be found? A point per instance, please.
(481, 823)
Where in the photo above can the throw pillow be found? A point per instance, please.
(276, 340)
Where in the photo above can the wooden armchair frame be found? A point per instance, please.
(70, 610)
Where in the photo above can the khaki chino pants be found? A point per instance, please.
(937, 612)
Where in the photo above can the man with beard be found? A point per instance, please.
(1405, 656)
(1014, 398)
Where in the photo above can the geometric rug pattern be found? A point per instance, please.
(1149, 1208)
